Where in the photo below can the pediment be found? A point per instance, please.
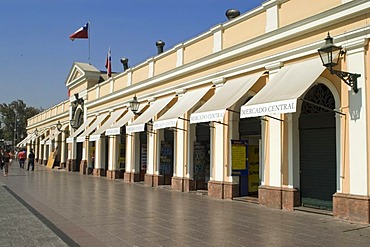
(82, 73)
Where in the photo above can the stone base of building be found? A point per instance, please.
(153, 180)
(278, 197)
(114, 174)
(62, 165)
(71, 166)
(223, 190)
(89, 170)
(131, 177)
(99, 172)
(183, 184)
(177, 184)
(352, 207)
(189, 185)
(83, 166)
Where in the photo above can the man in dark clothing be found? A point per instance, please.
(31, 160)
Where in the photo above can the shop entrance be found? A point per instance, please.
(78, 155)
(122, 150)
(202, 156)
(166, 157)
(143, 155)
(317, 135)
(250, 133)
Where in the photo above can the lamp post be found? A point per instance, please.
(330, 55)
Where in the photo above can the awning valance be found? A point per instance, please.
(92, 127)
(184, 104)
(112, 119)
(214, 109)
(46, 138)
(115, 129)
(138, 125)
(281, 93)
(71, 138)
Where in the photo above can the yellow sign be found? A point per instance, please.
(253, 169)
(238, 156)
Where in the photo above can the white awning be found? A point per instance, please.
(52, 136)
(184, 104)
(46, 138)
(115, 129)
(34, 137)
(281, 93)
(214, 109)
(71, 138)
(92, 127)
(25, 140)
(155, 107)
(112, 119)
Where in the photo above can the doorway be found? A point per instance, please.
(317, 134)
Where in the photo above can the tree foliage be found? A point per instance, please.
(14, 120)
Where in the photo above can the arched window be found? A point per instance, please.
(321, 95)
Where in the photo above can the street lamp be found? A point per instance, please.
(59, 128)
(330, 55)
(134, 105)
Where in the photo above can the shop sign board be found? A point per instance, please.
(239, 156)
(278, 107)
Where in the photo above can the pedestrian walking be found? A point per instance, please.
(31, 160)
(21, 158)
(7, 157)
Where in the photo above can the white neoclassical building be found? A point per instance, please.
(244, 110)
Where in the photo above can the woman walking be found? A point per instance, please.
(7, 158)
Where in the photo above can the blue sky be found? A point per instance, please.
(36, 53)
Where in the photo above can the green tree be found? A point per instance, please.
(14, 120)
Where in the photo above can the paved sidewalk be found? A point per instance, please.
(95, 211)
(19, 225)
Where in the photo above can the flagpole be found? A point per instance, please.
(88, 30)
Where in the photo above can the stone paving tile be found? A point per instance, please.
(20, 227)
(95, 211)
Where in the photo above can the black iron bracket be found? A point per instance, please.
(349, 78)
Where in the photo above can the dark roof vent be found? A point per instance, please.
(160, 44)
(232, 13)
(124, 62)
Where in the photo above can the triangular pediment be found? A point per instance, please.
(82, 73)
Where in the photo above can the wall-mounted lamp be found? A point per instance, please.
(134, 105)
(72, 122)
(330, 55)
(59, 128)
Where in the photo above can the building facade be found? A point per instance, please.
(244, 109)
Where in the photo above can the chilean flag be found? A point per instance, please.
(108, 64)
(81, 33)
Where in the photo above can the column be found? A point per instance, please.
(152, 177)
(99, 169)
(86, 156)
(63, 151)
(270, 192)
(114, 171)
(181, 149)
(354, 204)
(132, 171)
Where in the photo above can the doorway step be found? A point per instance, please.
(250, 199)
(200, 192)
(313, 210)
(165, 187)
